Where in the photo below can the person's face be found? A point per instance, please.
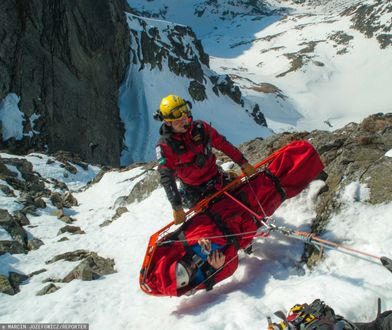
(179, 125)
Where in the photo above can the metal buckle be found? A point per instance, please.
(197, 260)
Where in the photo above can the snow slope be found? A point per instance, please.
(272, 278)
(338, 79)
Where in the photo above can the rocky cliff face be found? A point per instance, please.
(176, 46)
(354, 153)
(66, 60)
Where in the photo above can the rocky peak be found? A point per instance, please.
(162, 44)
(228, 9)
(223, 9)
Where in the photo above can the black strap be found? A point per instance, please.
(243, 197)
(208, 272)
(225, 231)
(276, 181)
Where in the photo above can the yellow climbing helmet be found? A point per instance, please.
(174, 107)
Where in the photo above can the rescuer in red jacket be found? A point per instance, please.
(184, 151)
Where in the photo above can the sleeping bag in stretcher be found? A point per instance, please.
(284, 177)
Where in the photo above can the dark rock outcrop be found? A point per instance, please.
(178, 47)
(143, 188)
(66, 200)
(12, 247)
(368, 19)
(70, 256)
(5, 286)
(50, 288)
(75, 230)
(66, 60)
(91, 267)
(15, 230)
(354, 153)
(31, 187)
(10, 284)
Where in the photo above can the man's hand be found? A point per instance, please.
(216, 259)
(248, 169)
(179, 216)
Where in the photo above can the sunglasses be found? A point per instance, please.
(179, 112)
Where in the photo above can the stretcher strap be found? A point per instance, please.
(230, 239)
(276, 182)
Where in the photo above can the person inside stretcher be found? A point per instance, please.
(178, 264)
(208, 259)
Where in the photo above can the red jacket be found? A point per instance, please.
(177, 153)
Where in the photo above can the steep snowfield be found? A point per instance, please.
(143, 90)
(333, 86)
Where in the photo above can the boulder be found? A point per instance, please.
(91, 268)
(56, 199)
(70, 256)
(16, 279)
(144, 187)
(15, 230)
(5, 286)
(12, 247)
(119, 211)
(21, 218)
(50, 288)
(37, 272)
(34, 244)
(63, 200)
(67, 219)
(69, 200)
(70, 229)
(39, 203)
(7, 190)
(10, 285)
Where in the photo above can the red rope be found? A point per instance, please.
(259, 217)
(336, 245)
